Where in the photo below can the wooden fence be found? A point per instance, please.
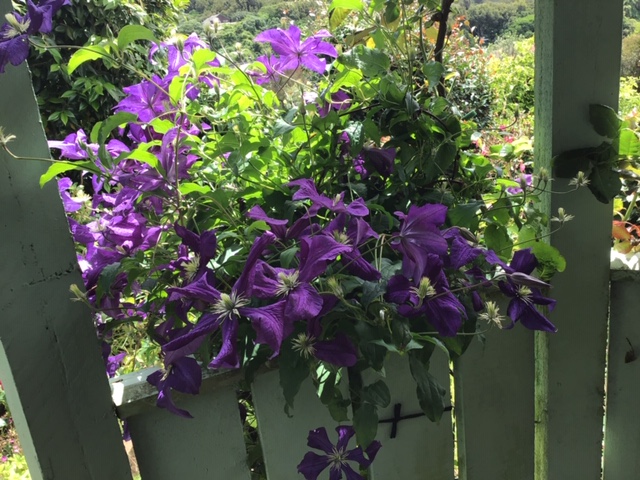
(497, 393)
(51, 366)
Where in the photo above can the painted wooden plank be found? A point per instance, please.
(577, 64)
(168, 447)
(422, 449)
(284, 438)
(497, 398)
(50, 363)
(622, 432)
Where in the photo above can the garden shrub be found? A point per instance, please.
(511, 73)
(493, 19)
(630, 62)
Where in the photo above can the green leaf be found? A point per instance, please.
(377, 394)
(628, 143)
(131, 33)
(112, 122)
(527, 236)
(347, 4)
(145, 156)
(365, 423)
(282, 127)
(465, 215)
(371, 61)
(604, 183)
(59, 167)
(430, 393)
(443, 159)
(85, 54)
(497, 238)
(433, 71)
(549, 259)
(605, 120)
(293, 371)
(106, 278)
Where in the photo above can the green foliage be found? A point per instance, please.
(69, 101)
(15, 468)
(630, 63)
(493, 19)
(511, 74)
(467, 76)
(522, 27)
(629, 99)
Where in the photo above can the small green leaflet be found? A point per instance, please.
(59, 167)
(86, 54)
(131, 33)
(605, 120)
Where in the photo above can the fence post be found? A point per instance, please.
(577, 64)
(50, 361)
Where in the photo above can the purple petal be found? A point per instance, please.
(340, 351)
(303, 303)
(227, 357)
(319, 440)
(312, 465)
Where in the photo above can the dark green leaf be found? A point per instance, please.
(430, 393)
(378, 394)
(365, 423)
(293, 371)
(106, 278)
(604, 183)
(605, 120)
(282, 127)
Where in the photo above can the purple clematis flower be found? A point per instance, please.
(75, 146)
(14, 35)
(302, 301)
(525, 293)
(428, 295)
(420, 235)
(272, 72)
(204, 249)
(294, 53)
(354, 232)
(307, 190)
(147, 99)
(336, 456)
(225, 312)
(183, 375)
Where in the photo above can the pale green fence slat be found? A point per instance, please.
(422, 449)
(169, 447)
(622, 434)
(50, 363)
(578, 64)
(284, 438)
(497, 399)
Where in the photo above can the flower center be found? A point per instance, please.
(229, 304)
(524, 293)
(303, 344)
(287, 282)
(492, 314)
(337, 458)
(341, 237)
(191, 266)
(16, 27)
(423, 290)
